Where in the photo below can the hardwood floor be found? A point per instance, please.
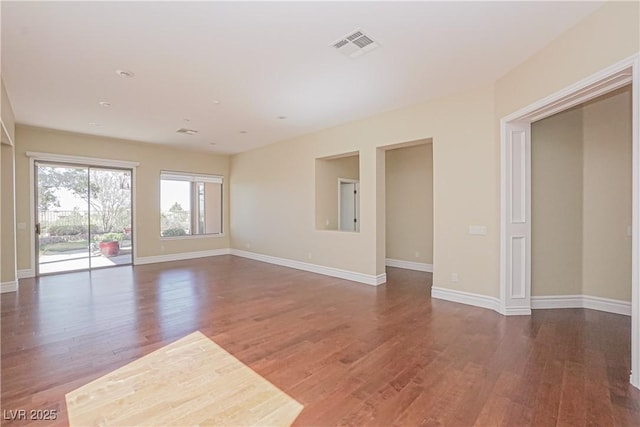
(351, 354)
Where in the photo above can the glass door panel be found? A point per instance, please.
(83, 217)
(62, 218)
(110, 204)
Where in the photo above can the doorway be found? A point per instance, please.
(83, 217)
(409, 206)
(581, 206)
(515, 242)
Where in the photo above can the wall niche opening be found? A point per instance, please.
(338, 192)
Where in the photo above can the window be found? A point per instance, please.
(190, 204)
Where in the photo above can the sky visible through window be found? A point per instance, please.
(175, 191)
(69, 201)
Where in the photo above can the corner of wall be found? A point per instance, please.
(7, 117)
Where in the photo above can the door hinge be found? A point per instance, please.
(38, 228)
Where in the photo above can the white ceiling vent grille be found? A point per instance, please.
(355, 44)
(187, 131)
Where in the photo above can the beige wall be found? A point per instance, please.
(556, 204)
(152, 158)
(607, 36)
(2, 203)
(581, 200)
(7, 224)
(7, 232)
(278, 182)
(273, 200)
(409, 200)
(607, 197)
(327, 173)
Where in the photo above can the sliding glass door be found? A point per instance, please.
(83, 217)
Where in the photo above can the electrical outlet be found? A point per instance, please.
(309, 255)
(455, 278)
(417, 254)
(162, 248)
(248, 245)
(326, 222)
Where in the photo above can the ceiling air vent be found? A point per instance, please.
(355, 44)
(187, 131)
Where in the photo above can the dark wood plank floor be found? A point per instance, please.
(351, 354)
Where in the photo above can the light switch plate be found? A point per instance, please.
(478, 230)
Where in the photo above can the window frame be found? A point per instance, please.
(194, 202)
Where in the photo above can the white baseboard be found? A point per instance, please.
(540, 302)
(608, 305)
(556, 301)
(468, 298)
(27, 273)
(180, 256)
(367, 279)
(409, 265)
(582, 301)
(8, 287)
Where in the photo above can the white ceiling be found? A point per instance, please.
(260, 60)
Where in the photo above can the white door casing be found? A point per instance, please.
(517, 212)
(76, 160)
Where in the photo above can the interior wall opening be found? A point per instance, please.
(409, 206)
(338, 192)
(581, 206)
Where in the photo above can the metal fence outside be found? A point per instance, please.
(76, 217)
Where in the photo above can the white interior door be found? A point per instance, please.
(348, 206)
(517, 211)
(356, 206)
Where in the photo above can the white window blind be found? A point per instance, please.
(179, 176)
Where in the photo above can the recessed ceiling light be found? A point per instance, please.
(94, 124)
(186, 120)
(282, 117)
(125, 73)
(212, 143)
(104, 103)
(243, 131)
(215, 101)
